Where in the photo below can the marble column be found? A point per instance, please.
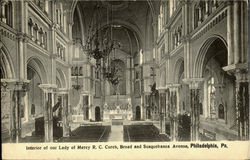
(3, 16)
(206, 9)
(173, 115)
(48, 102)
(66, 128)
(230, 41)
(162, 111)
(242, 104)
(199, 15)
(214, 5)
(18, 90)
(195, 109)
(236, 31)
(146, 105)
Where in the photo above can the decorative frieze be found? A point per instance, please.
(7, 33)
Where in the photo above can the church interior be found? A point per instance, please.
(120, 70)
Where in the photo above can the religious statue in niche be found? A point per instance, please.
(221, 112)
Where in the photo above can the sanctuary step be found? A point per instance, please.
(117, 121)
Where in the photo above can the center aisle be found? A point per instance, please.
(116, 133)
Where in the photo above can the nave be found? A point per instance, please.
(141, 70)
(104, 132)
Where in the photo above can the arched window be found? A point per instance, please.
(6, 13)
(72, 71)
(201, 108)
(76, 71)
(9, 13)
(211, 96)
(36, 32)
(80, 71)
(33, 109)
(140, 57)
(30, 27)
(45, 40)
(41, 38)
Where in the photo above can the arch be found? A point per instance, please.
(138, 113)
(152, 9)
(58, 81)
(61, 77)
(97, 113)
(72, 10)
(6, 62)
(8, 13)
(75, 8)
(132, 27)
(200, 58)
(34, 105)
(87, 113)
(178, 69)
(36, 64)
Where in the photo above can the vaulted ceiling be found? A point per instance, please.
(132, 21)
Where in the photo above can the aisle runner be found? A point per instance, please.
(116, 133)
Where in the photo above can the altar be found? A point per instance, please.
(117, 113)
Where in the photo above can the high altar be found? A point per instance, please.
(117, 111)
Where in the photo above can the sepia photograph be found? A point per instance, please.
(124, 74)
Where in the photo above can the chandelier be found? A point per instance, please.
(99, 45)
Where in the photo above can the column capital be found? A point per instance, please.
(14, 84)
(161, 90)
(239, 70)
(228, 3)
(241, 75)
(186, 38)
(53, 26)
(48, 87)
(22, 37)
(3, 2)
(53, 55)
(62, 91)
(194, 83)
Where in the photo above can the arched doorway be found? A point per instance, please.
(97, 114)
(87, 113)
(138, 113)
(217, 88)
(34, 93)
(36, 74)
(7, 72)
